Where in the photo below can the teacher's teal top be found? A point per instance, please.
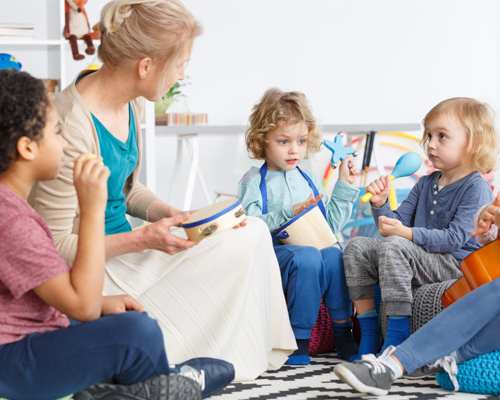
(121, 159)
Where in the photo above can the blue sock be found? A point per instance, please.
(398, 330)
(370, 334)
(301, 355)
(344, 342)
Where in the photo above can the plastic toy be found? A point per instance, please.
(9, 62)
(77, 27)
(339, 152)
(408, 164)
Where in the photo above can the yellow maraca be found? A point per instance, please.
(407, 165)
(90, 156)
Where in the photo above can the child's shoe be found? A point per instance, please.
(370, 375)
(301, 355)
(162, 387)
(447, 363)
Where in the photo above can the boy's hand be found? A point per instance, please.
(311, 200)
(393, 227)
(380, 190)
(487, 217)
(157, 236)
(348, 171)
(90, 179)
(119, 304)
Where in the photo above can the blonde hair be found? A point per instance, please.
(478, 121)
(272, 109)
(135, 29)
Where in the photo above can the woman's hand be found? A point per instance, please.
(119, 304)
(380, 190)
(393, 227)
(311, 200)
(348, 171)
(90, 177)
(157, 236)
(487, 217)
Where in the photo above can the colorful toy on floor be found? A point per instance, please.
(339, 151)
(9, 62)
(407, 165)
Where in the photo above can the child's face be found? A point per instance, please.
(50, 148)
(447, 142)
(286, 146)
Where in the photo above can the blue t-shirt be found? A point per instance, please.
(121, 159)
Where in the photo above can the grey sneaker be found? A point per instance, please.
(445, 364)
(370, 375)
(161, 387)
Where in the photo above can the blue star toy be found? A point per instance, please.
(339, 152)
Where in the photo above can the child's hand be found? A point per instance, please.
(90, 179)
(393, 227)
(487, 217)
(311, 200)
(380, 189)
(119, 304)
(348, 171)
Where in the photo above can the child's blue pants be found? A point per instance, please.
(126, 347)
(307, 275)
(471, 325)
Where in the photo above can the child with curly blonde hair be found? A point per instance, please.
(283, 132)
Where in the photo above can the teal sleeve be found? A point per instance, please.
(339, 208)
(251, 200)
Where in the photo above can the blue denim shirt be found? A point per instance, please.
(442, 220)
(286, 188)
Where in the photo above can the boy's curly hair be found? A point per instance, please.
(23, 112)
(478, 120)
(275, 107)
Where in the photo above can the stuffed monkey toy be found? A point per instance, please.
(77, 27)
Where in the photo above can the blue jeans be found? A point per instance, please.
(307, 274)
(125, 347)
(471, 325)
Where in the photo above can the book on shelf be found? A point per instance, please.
(17, 26)
(17, 31)
(181, 119)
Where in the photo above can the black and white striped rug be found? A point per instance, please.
(317, 381)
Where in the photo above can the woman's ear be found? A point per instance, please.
(27, 148)
(144, 67)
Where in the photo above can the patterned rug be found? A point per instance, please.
(317, 381)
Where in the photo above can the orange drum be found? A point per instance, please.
(480, 267)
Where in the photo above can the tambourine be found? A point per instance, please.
(309, 228)
(214, 219)
(479, 267)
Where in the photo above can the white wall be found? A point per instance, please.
(368, 61)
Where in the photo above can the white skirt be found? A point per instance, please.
(222, 298)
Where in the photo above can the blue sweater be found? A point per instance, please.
(442, 220)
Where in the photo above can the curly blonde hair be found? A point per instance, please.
(478, 120)
(273, 108)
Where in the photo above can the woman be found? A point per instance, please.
(220, 297)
